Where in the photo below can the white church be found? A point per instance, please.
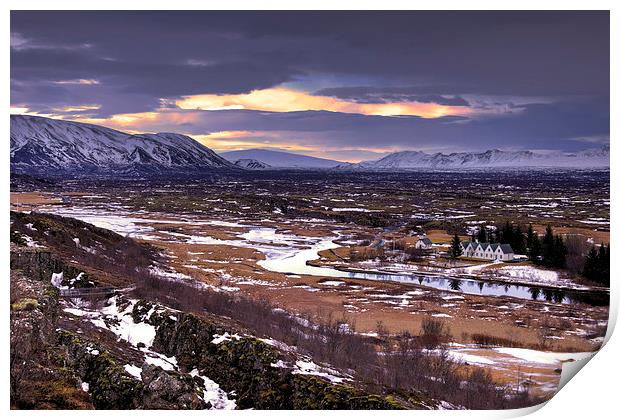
(487, 251)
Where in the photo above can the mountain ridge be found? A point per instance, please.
(45, 145)
(279, 159)
(492, 158)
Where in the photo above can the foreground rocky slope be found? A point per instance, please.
(119, 352)
(126, 354)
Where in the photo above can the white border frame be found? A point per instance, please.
(591, 395)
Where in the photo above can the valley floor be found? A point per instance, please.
(517, 322)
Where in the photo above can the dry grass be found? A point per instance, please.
(402, 363)
(599, 236)
(439, 236)
(28, 201)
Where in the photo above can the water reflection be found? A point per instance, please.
(296, 263)
(479, 287)
(455, 284)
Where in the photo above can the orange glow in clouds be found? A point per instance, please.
(270, 100)
(289, 100)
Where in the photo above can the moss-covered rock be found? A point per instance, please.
(39, 377)
(39, 264)
(141, 311)
(170, 390)
(245, 365)
(17, 238)
(25, 304)
(111, 387)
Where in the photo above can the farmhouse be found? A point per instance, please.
(424, 243)
(487, 251)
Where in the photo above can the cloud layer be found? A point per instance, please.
(326, 82)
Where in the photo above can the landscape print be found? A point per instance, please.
(306, 210)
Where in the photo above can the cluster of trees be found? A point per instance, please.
(596, 266)
(507, 233)
(550, 252)
(554, 251)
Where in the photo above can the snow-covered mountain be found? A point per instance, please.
(591, 158)
(47, 146)
(251, 164)
(279, 159)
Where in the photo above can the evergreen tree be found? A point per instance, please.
(505, 233)
(518, 241)
(590, 265)
(596, 265)
(508, 233)
(548, 243)
(532, 242)
(482, 235)
(530, 238)
(604, 264)
(455, 247)
(535, 250)
(559, 252)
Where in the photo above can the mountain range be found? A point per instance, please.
(44, 146)
(406, 160)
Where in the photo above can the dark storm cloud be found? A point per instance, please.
(489, 52)
(132, 80)
(138, 58)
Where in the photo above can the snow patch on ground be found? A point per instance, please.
(542, 357)
(217, 338)
(126, 328)
(308, 367)
(472, 359)
(357, 209)
(214, 394)
(332, 283)
(161, 360)
(525, 272)
(134, 371)
(451, 297)
(279, 345)
(57, 279)
(31, 242)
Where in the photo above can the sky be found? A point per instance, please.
(349, 86)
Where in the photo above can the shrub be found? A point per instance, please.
(406, 363)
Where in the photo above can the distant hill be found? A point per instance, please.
(591, 158)
(278, 159)
(47, 146)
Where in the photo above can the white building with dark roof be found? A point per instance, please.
(487, 251)
(424, 243)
